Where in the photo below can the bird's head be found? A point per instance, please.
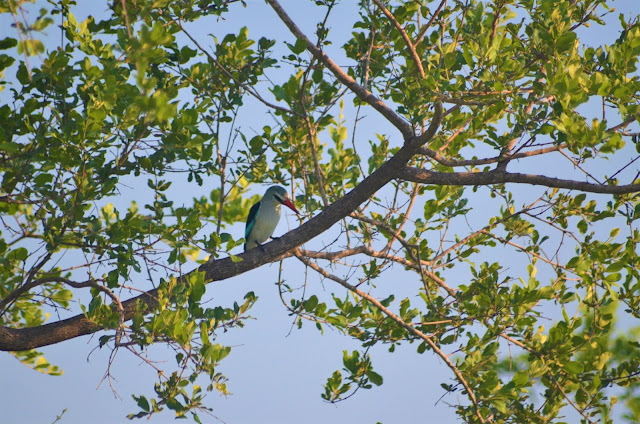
(280, 195)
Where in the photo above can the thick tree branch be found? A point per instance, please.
(28, 338)
(13, 339)
(16, 339)
(419, 175)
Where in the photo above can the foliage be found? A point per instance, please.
(463, 101)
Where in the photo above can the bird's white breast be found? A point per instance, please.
(266, 222)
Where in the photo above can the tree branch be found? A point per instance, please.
(35, 283)
(12, 339)
(424, 29)
(364, 94)
(436, 120)
(435, 155)
(16, 339)
(367, 250)
(405, 37)
(402, 323)
(419, 175)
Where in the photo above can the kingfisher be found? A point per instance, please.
(264, 216)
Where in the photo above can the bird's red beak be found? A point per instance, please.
(288, 203)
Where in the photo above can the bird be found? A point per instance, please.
(264, 216)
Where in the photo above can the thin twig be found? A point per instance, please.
(411, 329)
(248, 89)
(426, 27)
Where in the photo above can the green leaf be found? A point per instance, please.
(142, 402)
(521, 378)
(19, 254)
(573, 367)
(311, 303)
(7, 43)
(375, 378)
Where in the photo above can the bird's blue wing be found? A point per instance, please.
(251, 219)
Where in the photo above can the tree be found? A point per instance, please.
(506, 191)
